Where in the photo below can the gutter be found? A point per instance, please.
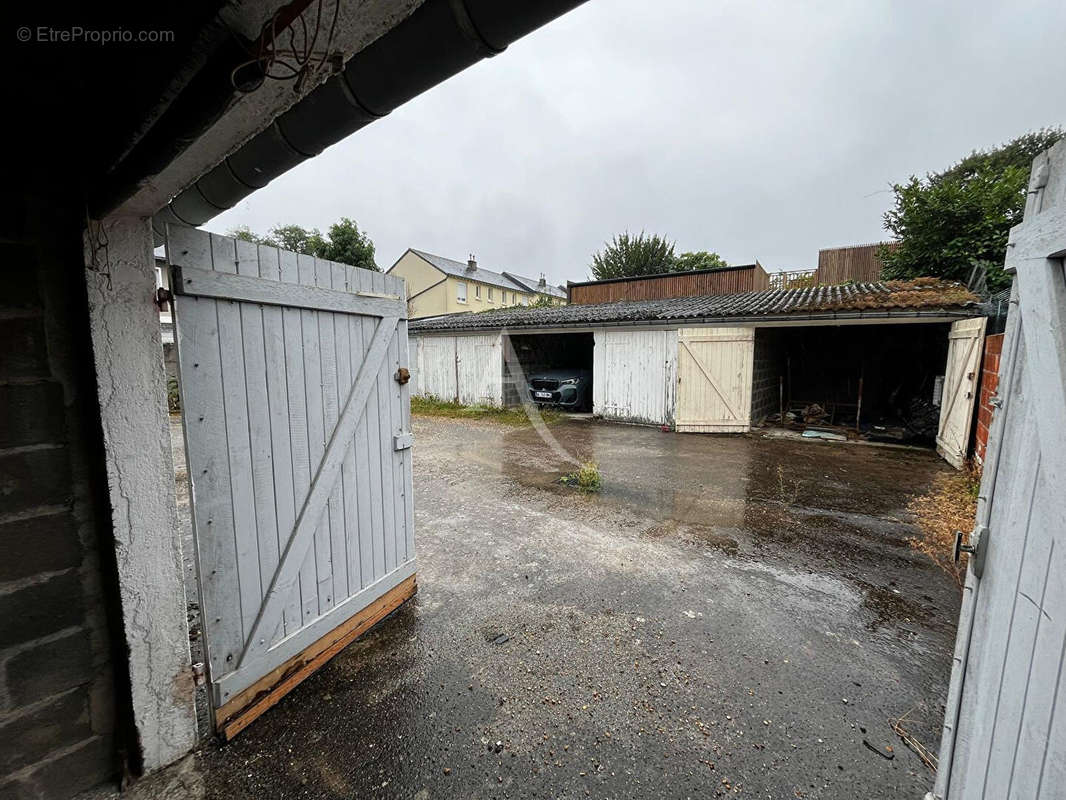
(683, 321)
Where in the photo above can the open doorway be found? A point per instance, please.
(554, 369)
(877, 382)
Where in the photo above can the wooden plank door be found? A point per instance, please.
(965, 346)
(297, 432)
(714, 374)
(634, 375)
(1005, 723)
(479, 369)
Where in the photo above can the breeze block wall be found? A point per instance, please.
(989, 385)
(767, 368)
(57, 689)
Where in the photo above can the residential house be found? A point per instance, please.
(438, 285)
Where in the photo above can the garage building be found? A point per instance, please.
(863, 353)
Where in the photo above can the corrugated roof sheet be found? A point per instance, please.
(921, 294)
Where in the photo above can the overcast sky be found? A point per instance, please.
(760, 130)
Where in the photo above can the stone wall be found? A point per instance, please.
(57, 688)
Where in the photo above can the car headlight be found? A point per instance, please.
(570, 382)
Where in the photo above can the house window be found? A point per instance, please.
(490, 294)
(460, 292)
(477, 291)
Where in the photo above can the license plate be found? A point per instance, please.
(545, 395)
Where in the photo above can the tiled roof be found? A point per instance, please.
(534, 285)
(459, 269)
(922, 294)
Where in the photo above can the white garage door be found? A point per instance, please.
(714, 374)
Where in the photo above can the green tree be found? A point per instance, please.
(246, 234)
(700, 259)
(627, 256)
(298, 239)
(949, 222)
(344, 242)
(348, 245)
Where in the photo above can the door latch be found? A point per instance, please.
(976, 546)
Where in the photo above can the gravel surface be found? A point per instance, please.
(731, 615)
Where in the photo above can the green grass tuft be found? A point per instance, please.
(430, 407)
(586, 478)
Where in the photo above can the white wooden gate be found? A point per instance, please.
(297, 428)
(965, 346)
(1005, 724)
(635, 375)
(714, 375)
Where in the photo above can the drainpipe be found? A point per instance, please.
(438, 40)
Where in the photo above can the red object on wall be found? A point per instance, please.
(989, 385)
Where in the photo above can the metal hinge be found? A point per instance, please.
(163, 298)
(976, 546)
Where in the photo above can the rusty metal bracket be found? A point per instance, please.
(402, 376)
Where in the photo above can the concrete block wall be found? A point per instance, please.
(57, 689)
(988, 387)
(767, 369)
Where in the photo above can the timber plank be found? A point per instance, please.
(264, 694)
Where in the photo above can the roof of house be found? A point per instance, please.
(534, 285)
(923, 296)
(505, 280)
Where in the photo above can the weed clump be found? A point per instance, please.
(585, 479)
(951, 505)
(517, 417)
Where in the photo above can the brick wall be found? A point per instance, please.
(989, 384)
(57, 689)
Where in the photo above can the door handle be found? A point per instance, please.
(976, 547)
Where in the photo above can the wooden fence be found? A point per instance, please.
(730, 280)
(859, 263)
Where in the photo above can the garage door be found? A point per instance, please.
(714, 374)
(437, 373)
(965, 343)
(479, 366)
(297, 426)
(634, 374)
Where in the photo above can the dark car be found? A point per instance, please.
(566, 388)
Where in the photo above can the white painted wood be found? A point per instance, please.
(965, 349)
(316, 438)
(313, 513)
(438, 372)
(377, 465)
(277, 398)
(302, 504)
(1005, 723)
(232, 286)
(479, 369)
(634, 374)
(714, 379)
